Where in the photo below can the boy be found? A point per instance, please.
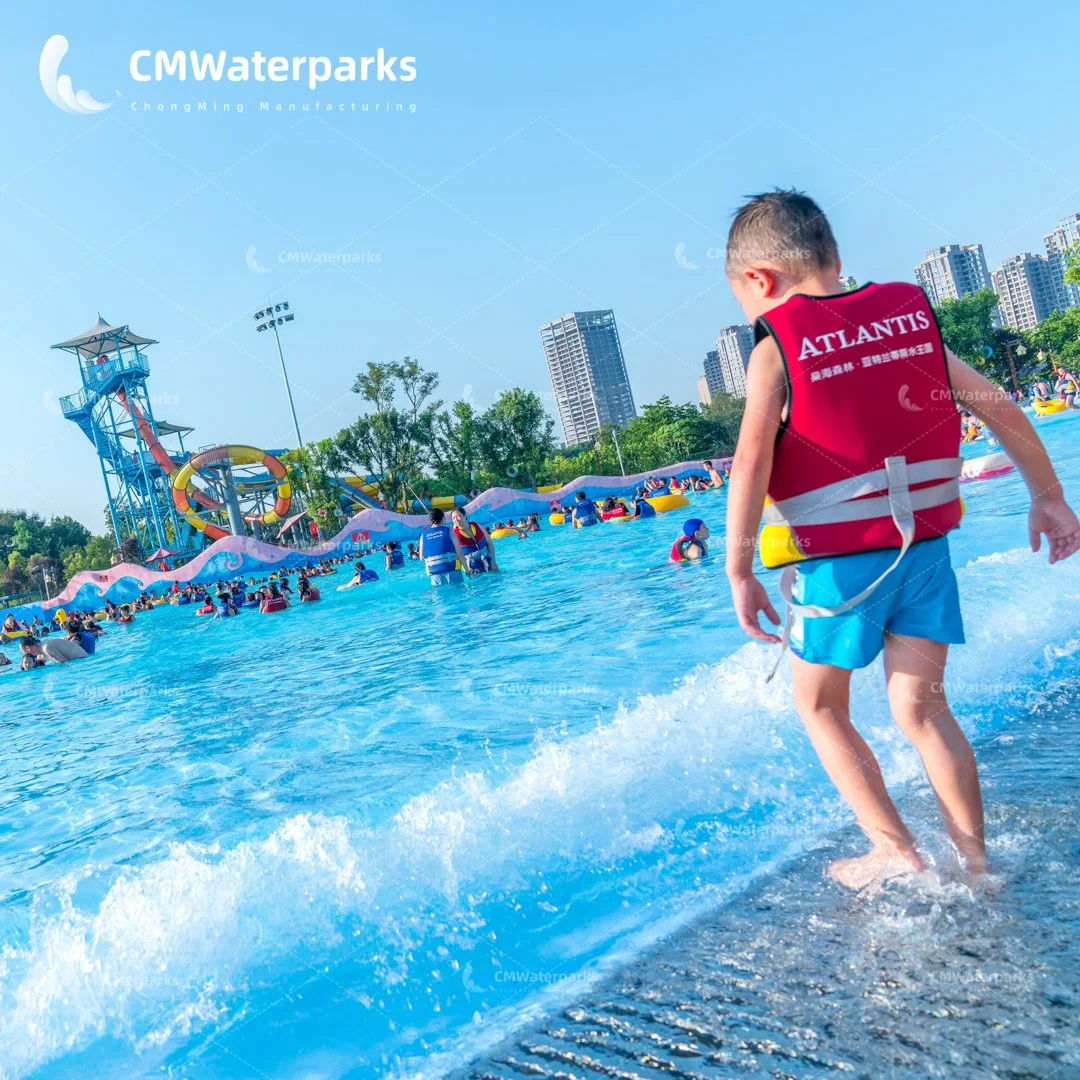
(851, 430)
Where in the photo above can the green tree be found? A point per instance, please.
(724, 416)
(518, 435)
(62, 533)
(130, 551)
(1057, 337)
(28, 534)
(310, 471)
(1072, 265)
(35, 554)
(96, 554)
(455, 444)
(663, 434)
(967, 327)
(391, 440)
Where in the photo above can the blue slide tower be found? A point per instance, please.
(114, 411)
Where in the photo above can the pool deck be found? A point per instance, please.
(797, 978)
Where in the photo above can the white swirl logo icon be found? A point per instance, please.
(253, 264)
(905, 401)
(58, 88)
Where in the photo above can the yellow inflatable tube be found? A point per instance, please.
(500, 534)
(1048, 408)
(662, 503)
(557, 519)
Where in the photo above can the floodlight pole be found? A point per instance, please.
(615, 440)
(285, 376)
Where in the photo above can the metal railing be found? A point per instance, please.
(99, 376)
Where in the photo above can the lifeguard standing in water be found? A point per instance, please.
(859, 504)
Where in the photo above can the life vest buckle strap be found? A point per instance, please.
(846, 500)
(903, 515)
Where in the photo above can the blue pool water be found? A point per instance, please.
(378, 835)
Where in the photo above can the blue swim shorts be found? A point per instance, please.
(918, 599)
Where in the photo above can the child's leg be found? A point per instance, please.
(915, 670)
(821, 696)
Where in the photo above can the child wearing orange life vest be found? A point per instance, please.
(860, 502)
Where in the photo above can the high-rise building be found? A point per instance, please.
(952, 272)
(1025, 289)
(1058, 242)
(713, 373)
(733, 349)
(588, 373)
(847, 282)
(704, 391)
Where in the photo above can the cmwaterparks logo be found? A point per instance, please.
(311, 73)
(58, 88)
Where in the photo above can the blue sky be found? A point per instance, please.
(557, 156)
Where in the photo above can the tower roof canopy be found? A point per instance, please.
(103, 338)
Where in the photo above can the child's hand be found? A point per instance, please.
(751, 599)
(1053, 516)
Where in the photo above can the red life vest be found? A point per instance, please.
(617, 511)
(677, 548)
(275, 603)
(474, 539)
(867, 382)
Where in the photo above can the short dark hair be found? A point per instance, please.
(784, 227)
(436, 516)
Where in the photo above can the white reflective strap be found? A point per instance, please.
(817, 503)
(902, 512)
(880, 506)
(787, 583)
(789, 511)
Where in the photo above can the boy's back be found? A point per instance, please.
(851, 427)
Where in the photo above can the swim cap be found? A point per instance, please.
(690, 527)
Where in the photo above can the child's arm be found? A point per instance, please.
(1050, 513)
(766, 392)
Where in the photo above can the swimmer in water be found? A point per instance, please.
(1066, 387)
(361, 576)
(693, 544)
(441, 552)
(788, 442)
(475, 544)
(60, 651)
(716, 479)
(394, 557)
(584, 514)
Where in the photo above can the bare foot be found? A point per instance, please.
(877, 866)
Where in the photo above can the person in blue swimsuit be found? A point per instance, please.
(584, 513)
(361, 575)
(440, 551)
(395, 558)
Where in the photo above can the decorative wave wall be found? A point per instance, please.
(241, 556)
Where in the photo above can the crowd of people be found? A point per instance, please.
(1064, 387)
(450, 549)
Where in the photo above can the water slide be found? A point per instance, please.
(158, 452)
(171, 466)
(358, 490)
